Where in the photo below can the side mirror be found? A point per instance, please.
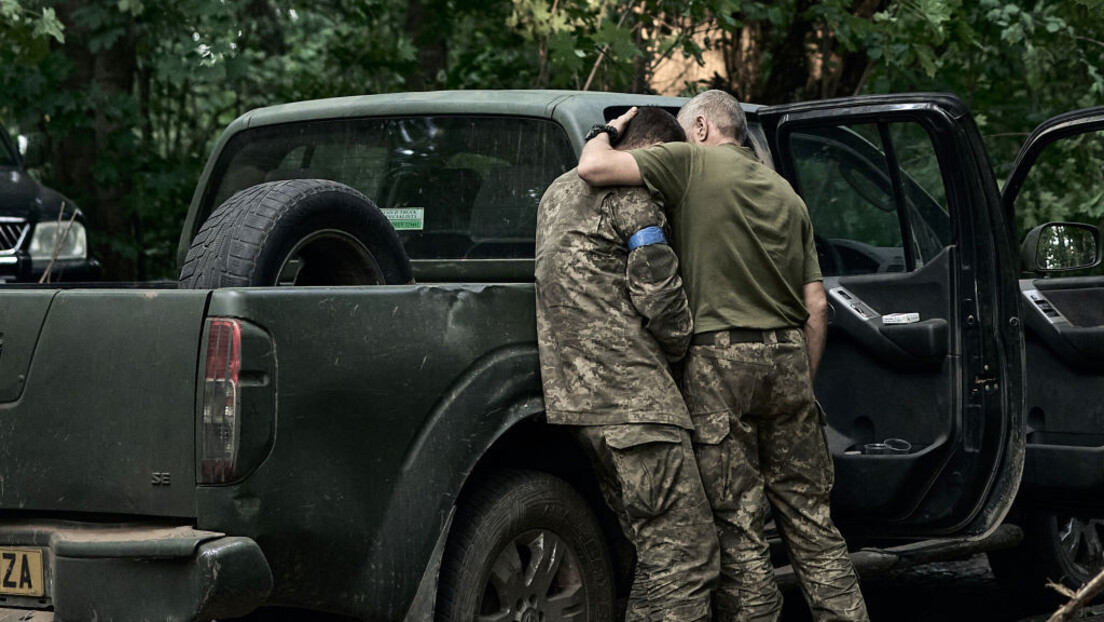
(1060, 247)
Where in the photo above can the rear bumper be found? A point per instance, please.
(140, 572)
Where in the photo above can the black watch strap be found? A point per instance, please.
(602, 129)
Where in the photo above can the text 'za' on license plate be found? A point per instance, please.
(21, 572)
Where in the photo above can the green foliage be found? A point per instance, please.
(1016, 63)
(613, 45)
(127, 97)
(195, 66)
(25, 22)
(1065, 184)
(26, 29)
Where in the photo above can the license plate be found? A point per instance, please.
(21, 572)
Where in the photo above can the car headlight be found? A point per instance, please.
(48, 235)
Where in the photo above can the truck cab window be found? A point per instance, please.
(453, 187)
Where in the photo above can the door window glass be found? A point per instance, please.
(1066, 183)
(875, 196)
(924, 192)
(453, 187)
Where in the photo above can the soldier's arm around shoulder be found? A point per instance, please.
(654, 284)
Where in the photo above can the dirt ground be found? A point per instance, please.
(963, 591)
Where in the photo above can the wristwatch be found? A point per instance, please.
(599, 129)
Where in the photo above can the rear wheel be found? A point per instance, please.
(525, 547)
(1057, 547)
(296, 232)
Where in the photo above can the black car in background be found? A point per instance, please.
(42, 233)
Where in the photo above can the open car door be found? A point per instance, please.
(1057, 177)
(921, 381)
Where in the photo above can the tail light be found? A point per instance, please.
(221, 425)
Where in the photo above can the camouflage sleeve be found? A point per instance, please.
(654, 284)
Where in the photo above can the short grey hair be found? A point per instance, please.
(721, 109)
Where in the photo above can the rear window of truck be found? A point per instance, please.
(453, 187)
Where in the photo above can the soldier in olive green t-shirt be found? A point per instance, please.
(760, 253)
(748, 262)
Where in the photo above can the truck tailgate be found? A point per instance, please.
(105, 420)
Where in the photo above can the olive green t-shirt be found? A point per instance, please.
(742, 235)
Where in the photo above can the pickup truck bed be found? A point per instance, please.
(353, 366)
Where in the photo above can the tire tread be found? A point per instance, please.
(226, 250)
(494, 504)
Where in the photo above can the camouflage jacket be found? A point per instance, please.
(608, 319)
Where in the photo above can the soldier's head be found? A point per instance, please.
(713, 118)
(650, 126)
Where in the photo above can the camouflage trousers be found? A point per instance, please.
(759, 439)
(649, 478)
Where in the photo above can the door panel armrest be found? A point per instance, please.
(1087, 342)
(927, 339)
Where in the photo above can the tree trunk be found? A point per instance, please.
(75, 151)
(789, 73)
(114, 76)
(427, 23)
(641, 65)
(97, 140)
(805, 61)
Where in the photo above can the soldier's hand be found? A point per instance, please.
(620, 122)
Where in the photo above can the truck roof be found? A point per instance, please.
(532, 103)
(574, 111)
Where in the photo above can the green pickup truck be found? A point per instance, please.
(338, 408)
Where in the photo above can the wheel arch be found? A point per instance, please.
(534, 444)
(492, 419)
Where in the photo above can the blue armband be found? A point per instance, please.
(646, 236)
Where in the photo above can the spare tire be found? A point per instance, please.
(296, 232)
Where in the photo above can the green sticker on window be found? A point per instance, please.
(406, 218)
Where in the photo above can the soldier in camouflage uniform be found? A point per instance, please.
(611, 315)
(745, 243)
